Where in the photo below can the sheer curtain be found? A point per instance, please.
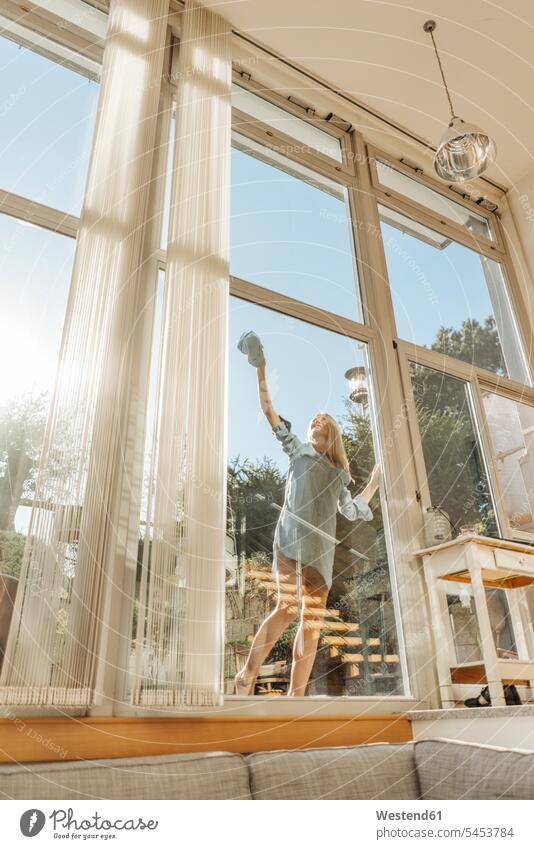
(180, 637)
(52, 648)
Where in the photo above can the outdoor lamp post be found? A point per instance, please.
(359, 391)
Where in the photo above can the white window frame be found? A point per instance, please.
(490, 247)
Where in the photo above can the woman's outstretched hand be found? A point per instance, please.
(373, 483)
(376, 474)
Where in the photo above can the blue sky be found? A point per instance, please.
(47, 124)
(47, 116)
(432, 287)
(291, 237)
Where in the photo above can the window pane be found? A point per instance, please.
(424, 195)
(466, 634)
(358, 650)
(290, 231)
(511, 428)
(35, 271)
(449, 298)
(47, 128)
(266, 112)
(455, 469)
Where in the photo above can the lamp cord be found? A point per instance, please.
(453, 115)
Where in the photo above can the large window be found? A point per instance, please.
(292, 236)
(358, 651)
(48, 113)
(458, 333)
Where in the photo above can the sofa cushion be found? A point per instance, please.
(198, 776)
(372, 771)
(449, 769)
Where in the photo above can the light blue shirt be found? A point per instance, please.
(315, 492)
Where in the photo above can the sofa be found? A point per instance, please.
(426, 769)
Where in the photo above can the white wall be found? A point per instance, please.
(518, 225)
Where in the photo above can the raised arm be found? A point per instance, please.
(358, 507)
(265, 399)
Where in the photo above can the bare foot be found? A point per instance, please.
(244, 686)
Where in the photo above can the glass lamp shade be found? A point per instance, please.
(464, 152)
(357, 379)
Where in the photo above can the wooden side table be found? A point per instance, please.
(481, 562)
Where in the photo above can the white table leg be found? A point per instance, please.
(489, 654)
(442, 637)
(520, 637)
(526, 618)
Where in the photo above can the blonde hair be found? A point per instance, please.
(335, 450)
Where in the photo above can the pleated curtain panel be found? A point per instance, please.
(52, 654)
(180, 640)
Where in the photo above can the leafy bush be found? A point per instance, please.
(11, 551)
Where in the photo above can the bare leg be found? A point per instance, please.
(270, 630)
(315, 596)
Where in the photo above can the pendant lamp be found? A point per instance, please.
(465, 151)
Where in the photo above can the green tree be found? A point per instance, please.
(454, 465)
(456, 476)
(473, 343)
(358, 443)
(11, 552)
(254, 488)
(21, 432)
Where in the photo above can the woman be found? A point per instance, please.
(316, 489)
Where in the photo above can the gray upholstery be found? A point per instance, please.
(428, 769)
(375, 771)
(452, 770)
(202, 776)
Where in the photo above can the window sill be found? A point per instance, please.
(298, 706)
(464, 713)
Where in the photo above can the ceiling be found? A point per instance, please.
(376, 51)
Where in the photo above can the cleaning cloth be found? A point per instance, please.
(250, 345)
